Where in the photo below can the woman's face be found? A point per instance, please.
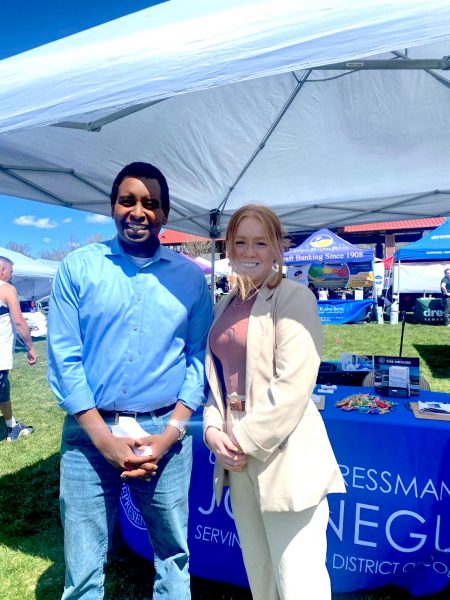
(251, 255)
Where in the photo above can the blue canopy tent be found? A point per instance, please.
(329, 261)
(419, 266)
(326, 246)
(434, 246)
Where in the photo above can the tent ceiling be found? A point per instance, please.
(238, 116)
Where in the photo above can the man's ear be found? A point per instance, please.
(165, 219)
(112, 209)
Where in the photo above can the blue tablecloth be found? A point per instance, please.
(343, 311)
(391, 528)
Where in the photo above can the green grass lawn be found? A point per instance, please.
(31, 550)
(431, 344)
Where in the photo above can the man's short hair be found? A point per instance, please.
(5, 259)
(143, 169)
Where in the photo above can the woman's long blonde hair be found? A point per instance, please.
(275, 238)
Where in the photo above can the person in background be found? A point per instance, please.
(313, 288)
(223, 285)
(269, 440)
(445, 289)
(126, 337)
(323, 294)
(11, 322)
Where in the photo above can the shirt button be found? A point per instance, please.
(135, 328)
(131, 359)
(139, 299)
(124, 390)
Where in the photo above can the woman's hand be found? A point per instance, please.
(227, 452)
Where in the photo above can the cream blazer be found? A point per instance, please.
(289, 456)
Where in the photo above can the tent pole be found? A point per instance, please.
(213, 270)
(398, 281)
(374, 289)
(403, 320)
(214, 232)
(441, 64)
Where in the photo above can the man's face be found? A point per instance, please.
(6, 271)
(447, 272)
(138, 215)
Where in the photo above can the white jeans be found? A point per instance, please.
(284, 552)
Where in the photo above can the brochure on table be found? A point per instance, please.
(396, 376)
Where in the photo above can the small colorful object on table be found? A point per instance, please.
(366, 403)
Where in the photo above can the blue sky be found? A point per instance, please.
(45, 227)
(24, 25)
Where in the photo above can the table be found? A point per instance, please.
(429, 310)
(391, 528)
(343, 311)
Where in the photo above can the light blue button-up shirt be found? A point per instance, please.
(127, 338)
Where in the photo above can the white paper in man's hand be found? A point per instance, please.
(129, 427)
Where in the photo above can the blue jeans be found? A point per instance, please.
(89, 497)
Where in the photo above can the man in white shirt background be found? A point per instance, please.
(11, 322)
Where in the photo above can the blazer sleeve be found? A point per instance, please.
(278, 407)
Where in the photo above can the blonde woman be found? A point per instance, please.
(268, 438)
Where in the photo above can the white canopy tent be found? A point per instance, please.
(31, 278)
(221, 96)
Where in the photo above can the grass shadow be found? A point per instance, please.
(29, 520)
(436, 358)
(31, 496)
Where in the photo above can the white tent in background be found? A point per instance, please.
(31, 278)
(50, 263)
(203, 261)
(230, 99)
(222, 267)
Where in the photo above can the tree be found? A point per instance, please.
(92, 239)
(196, 249)
(66, 247)
(59, 253)
(20, 248)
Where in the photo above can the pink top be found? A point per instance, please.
(228, 341)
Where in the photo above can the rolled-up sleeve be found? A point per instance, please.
(66, 375)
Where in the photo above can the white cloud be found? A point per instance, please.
(47, 240)
(67, 220)
(98, 219)
(31, 221)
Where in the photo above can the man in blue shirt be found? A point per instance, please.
(127, 329)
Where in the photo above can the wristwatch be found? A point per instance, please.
(181, 428)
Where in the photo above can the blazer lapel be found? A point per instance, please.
(210, 367)
(257, 325)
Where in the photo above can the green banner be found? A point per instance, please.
(429, 311)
